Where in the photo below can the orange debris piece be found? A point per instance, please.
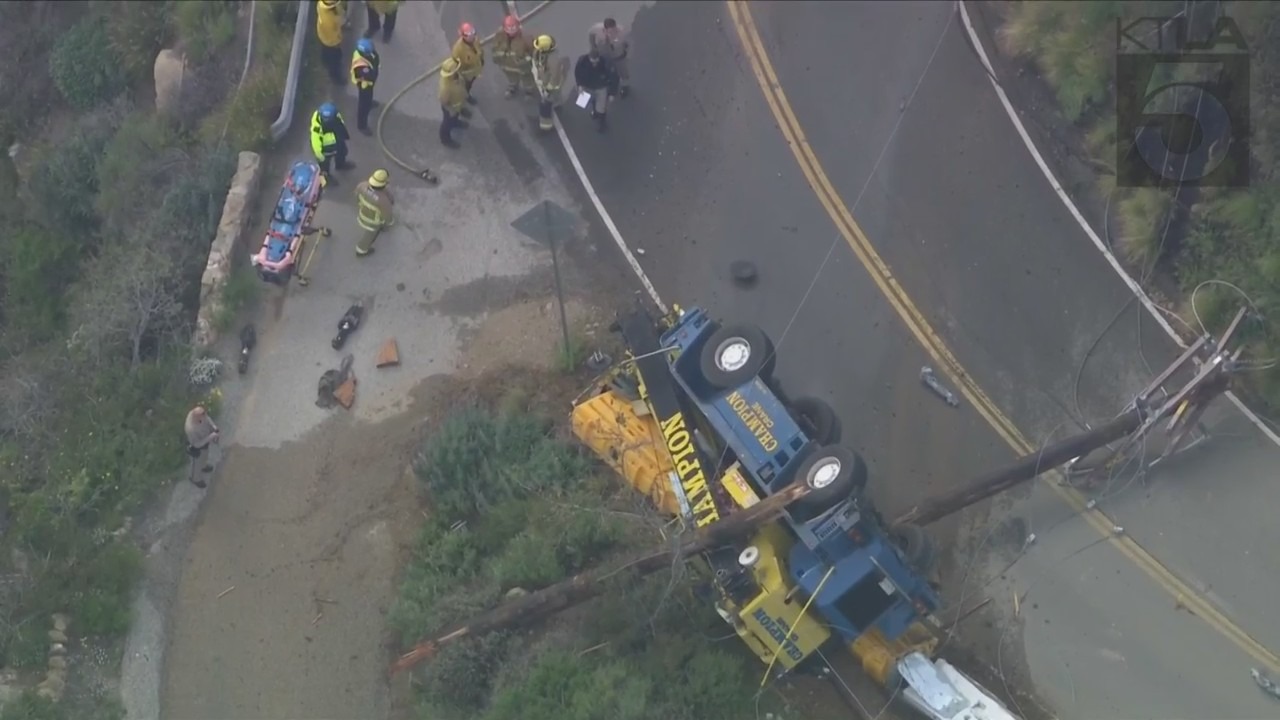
(389, 354)
(345, 393)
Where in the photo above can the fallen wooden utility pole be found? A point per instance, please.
(1025, 468)
(579, 588)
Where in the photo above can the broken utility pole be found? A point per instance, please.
(1025, 468)
(580, 588)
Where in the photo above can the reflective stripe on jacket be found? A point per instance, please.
(373, 206)
(364, 71)
(325, 139)
(329, 25)
(470, 58)
(512, 53)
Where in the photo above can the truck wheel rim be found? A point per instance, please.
(824, 473)
(733, 354)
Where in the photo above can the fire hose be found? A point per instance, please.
(425, 173)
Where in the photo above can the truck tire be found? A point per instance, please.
(817, 419)
(917, 547)
(834, 474)
(734, 355)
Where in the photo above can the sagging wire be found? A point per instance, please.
(893, 132)
(772, 661)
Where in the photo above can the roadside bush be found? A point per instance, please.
(139, 161)
(241, 291)
(84, 67)
(460, 677)
(64, 182)
(38, 266)
(29, 706)
(204, 26)
(138, 30)
(478, 459)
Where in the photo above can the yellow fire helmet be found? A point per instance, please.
(449, 67)
(379, 178)
(544, 43)
(328, 4)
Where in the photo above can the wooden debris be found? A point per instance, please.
(389, 354)
(536, 606)
(345, 393)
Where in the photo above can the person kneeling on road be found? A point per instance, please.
(375, 204)
(329, 138)
(595, 74)
(453, 101)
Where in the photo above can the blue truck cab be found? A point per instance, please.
(858, 577)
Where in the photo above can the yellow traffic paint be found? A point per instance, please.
(882, 275)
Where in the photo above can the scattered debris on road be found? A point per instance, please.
(744, 273)
(388, 354)
(1267, 684)
(248, 339)
(334, 380)
(932, 382)
(347, 325)
(224, 593)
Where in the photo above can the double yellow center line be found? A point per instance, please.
(882, 275)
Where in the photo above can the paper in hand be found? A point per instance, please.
(584, 99)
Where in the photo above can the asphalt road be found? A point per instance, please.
(696, 173)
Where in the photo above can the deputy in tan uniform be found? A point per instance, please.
(374, 213)
(613, 44)
(514, 53)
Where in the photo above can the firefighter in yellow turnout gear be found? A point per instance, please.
(514, 54)
(549, 72)
(375, 205)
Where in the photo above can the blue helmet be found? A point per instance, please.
(364, 46)
(328, 111)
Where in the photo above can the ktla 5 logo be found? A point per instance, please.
(1182, 104)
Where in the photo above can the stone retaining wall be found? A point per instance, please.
(224, 253)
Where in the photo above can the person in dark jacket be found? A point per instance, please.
(596, 75)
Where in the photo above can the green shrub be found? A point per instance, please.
(240, 292)
(570, 686)
(458, 679)
(204, 26)
(1141, 217)
(26, 645)
(84, 67)
(100, 589)
(29, 706)
(64, 183)
(137, 163)
(38, 266)
(478, 459)
(138, 30)
(245, 122)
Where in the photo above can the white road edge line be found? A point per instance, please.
(604, 215)
(595, 200)
(1132, 284)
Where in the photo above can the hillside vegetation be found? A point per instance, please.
(1203, 238)
(513, 508)
(107, 211)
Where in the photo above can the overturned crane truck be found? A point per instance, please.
(694, 420)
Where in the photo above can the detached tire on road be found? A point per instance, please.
(734, 354)
(817, 419)
(917, 547)
(834, 473)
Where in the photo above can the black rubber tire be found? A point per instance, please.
(917, 547)
(848, 482)
(817, 419)
(759, 354)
